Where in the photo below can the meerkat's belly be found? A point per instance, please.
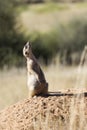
(32, 82)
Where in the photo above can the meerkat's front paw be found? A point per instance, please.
(31, 93)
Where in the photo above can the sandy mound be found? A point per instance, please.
(39, 113)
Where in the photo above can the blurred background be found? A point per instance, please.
(57, 30)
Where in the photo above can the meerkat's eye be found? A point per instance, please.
(25, 46)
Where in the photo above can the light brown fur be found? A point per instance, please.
(36, 80)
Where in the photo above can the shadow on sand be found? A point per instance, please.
(66, 94)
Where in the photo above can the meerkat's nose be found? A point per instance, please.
(27, 44)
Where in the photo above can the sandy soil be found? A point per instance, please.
(43, 112)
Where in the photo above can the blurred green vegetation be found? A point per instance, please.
(47, 1)
(50, 8)
(42, 8)
(10, 39)
(66, 39)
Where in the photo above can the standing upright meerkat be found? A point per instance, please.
(36, 81)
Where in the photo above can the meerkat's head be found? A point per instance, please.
(27, 49)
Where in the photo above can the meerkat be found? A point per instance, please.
(36, 81)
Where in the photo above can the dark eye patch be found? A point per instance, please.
(25, 46)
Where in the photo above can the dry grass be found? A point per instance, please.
(60, 77)
(13, 85)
